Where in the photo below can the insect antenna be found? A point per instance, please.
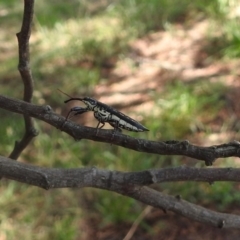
(64, 93)
(67, 117)
(69, 113)
(70, 97)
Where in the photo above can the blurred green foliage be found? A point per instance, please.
(70, 43)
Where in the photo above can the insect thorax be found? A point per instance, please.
(90, 103)
(101, 114)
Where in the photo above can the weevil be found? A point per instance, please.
(104, 113)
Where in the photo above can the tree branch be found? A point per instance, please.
(23, 66)
(207, 154)
(122, 183)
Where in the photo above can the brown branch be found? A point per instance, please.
(23, 66)
(207, 154)
(48, 178)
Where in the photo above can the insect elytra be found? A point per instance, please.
(104, 113)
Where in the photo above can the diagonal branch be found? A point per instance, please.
(183, 148)
(177, 205)
(48, 178)
(23, 66)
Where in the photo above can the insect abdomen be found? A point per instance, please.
(128, 124)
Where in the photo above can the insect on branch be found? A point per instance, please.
(104, 113)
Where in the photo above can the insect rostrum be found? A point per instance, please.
(104, 113)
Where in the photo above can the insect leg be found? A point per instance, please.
(67, 117)
(99, 127)
(116, 127)
(77, 110)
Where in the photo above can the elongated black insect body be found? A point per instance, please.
(104, 113)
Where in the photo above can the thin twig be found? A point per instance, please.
(24, 68)
(136, 223)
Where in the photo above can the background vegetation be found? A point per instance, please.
(66, 35)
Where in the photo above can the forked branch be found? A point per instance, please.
(119, 182)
